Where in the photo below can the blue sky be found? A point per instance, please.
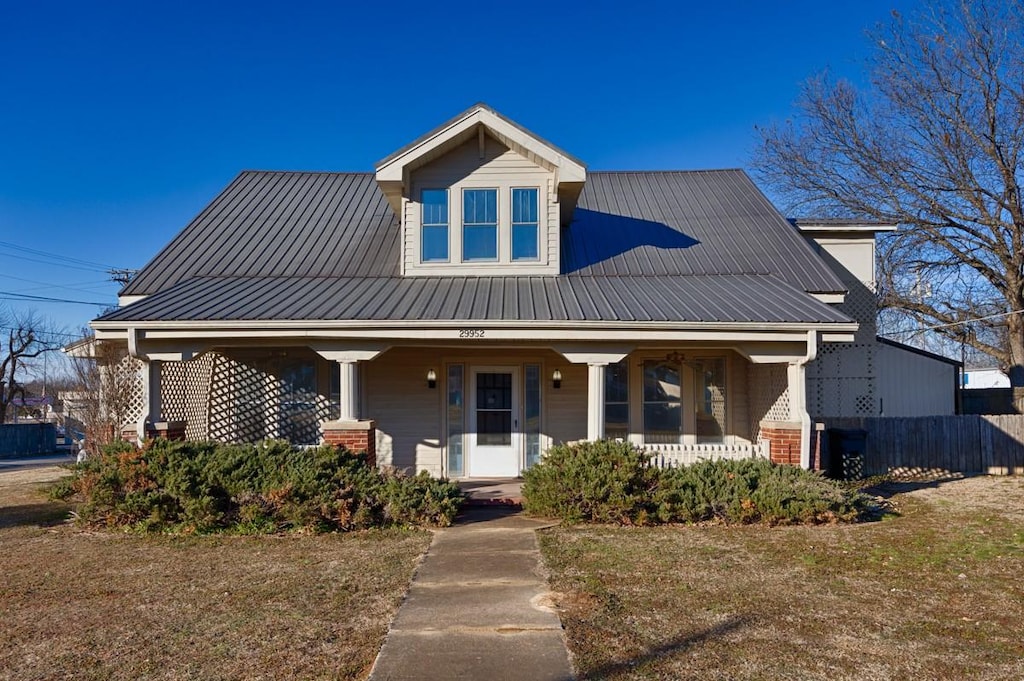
(119, 121)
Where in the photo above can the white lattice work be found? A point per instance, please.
(861, 305)
(257, 399)
(185, 394)
(841, 381)
(769, 394)
(126, 379)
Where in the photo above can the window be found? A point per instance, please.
(709, 394)
(434, 234)
(525, 225)
(480, 224)
(662, 403)
(616, 400)
(456, 420)
(531, 413)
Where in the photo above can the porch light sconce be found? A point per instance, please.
(556, 379)
(431, 379)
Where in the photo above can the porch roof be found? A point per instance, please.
(720, 298)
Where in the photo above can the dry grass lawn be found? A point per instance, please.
(936, 592)
(81, 605)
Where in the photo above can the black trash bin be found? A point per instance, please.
(845, 456)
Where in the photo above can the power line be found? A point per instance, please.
(54, 263)
(77, 288)
(76, 336)
(51, 254)
(24, 296)
(913, 332)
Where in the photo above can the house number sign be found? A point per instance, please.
(471, 333)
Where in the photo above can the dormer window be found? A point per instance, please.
(481, 196)
(435, 225)
(479, 224)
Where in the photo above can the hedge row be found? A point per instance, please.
(271, 487)
(613, 482)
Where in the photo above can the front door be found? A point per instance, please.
(494, 440)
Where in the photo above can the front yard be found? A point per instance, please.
(86, 605)
(935, 593)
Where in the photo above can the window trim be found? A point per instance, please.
(512, 224)
(496, 224)
(447, 225)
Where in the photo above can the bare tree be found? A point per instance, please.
(106, 385)
(23, 337)
(934, 144)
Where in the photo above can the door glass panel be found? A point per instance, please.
(456, 420)
(662, 403)
(531, 413)
(494, 409)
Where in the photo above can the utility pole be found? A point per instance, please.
(121, 275)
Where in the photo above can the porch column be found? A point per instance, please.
(595, 400)
(350, 430)
(349, 398)
(149, 377)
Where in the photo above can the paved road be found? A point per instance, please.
(35, 462)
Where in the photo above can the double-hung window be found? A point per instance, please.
(434, 234)
(479, 224)
(525, 225)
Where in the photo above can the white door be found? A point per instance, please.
(494, 439)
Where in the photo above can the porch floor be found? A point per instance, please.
(492, 491)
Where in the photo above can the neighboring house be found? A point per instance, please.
(980, 379)
(483, 295)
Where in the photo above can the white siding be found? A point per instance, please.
(911, 384)
(407, 412)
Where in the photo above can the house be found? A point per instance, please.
(482, 295)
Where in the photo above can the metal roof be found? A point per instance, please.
(719, 298)
(628, 224)
(687, 222)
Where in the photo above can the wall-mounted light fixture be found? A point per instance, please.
(556, 379)
(431, 379)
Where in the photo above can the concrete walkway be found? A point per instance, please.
(478, 608)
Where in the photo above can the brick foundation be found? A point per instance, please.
(783, 442)
(356, 436)
(168, 430)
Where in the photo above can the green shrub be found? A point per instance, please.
(600, 482)
(207, 487)
(752, 490)
(612, 482)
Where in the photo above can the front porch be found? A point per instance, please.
(473, 411)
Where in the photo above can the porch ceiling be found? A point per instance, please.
(683, 300)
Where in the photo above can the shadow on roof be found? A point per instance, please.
(594, 237)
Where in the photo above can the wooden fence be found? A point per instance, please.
(941, 444)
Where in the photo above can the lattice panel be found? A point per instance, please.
(249, 402)
(841, 381)
(861, 305)
(127, 380)
(243, 402)
(185, 394)
(843, 397)
(769, 394)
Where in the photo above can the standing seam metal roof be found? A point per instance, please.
(681, 299)
(631, 224)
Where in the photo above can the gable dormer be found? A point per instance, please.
(480, 195)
